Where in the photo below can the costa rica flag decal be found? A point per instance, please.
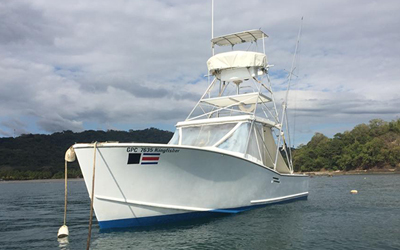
(143, 158)
(150, 158)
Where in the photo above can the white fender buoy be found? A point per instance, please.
(63, 231)
(70, 155)
(63, 242)
(354, 191)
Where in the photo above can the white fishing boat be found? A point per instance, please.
(229, 155)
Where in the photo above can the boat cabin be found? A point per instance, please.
(239, 136)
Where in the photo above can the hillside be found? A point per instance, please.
(37, 156)
(367, 146)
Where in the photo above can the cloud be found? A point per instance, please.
(82, 65)
(54, 123)
(14, 127)
(5, 133)
(24, 24)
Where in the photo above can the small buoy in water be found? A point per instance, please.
(63, 232)
(354, 191)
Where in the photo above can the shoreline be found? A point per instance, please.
(353, 172)
(41, 180)
(311, 174)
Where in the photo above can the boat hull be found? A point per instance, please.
(148, 184)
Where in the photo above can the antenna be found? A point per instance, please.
(212, 24)
(212, 19)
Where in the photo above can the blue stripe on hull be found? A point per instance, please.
(172, 218)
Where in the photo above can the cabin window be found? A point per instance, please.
(258, 128)
(205, 135)
(175, 138)
(237, 141)
(253, 151)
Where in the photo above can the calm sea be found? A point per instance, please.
(331, 218)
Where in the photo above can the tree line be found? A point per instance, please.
(366, 146)
(38, 156)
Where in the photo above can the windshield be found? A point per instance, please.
(205, 135)
(245, 139)
(237, 141)
(175, 138)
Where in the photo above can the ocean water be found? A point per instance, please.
(331, 218)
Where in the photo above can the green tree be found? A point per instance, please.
(365, 146)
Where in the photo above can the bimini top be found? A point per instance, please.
(236, 38)
(236, 59)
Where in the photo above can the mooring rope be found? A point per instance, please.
(69, 157)
(66, 194)
(92, 198)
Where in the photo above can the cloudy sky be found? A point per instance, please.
(76, 65)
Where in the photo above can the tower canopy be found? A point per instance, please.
(237, 38)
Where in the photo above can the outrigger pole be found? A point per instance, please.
(284, 107)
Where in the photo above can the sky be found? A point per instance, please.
(130, 64)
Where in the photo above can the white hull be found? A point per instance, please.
(183, 181)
